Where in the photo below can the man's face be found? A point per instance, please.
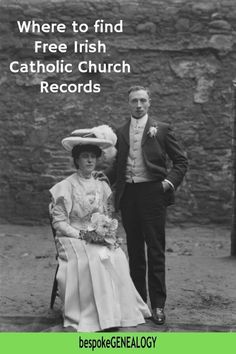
(139, 103)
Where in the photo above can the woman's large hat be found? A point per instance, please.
(101, 136)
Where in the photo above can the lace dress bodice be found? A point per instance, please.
(75, 199)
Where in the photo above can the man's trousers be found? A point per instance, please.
(143, 211)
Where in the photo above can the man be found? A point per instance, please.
(143, 189)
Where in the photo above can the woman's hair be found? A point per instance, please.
(78, 149)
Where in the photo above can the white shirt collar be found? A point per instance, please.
(141, 122)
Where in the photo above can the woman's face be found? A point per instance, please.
(87, 162)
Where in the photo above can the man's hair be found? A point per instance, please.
(138, 88)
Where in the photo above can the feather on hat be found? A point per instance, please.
(102, 136)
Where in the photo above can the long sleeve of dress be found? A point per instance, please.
(67, 230)
(62, 204)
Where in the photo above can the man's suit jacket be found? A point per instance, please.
(155, 150)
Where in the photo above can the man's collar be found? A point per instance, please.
(141, 121)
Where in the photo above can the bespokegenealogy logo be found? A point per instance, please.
(129, 342)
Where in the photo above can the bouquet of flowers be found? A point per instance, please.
(102, 230)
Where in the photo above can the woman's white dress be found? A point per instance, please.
(93, 281)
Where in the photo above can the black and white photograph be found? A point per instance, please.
(118, 172)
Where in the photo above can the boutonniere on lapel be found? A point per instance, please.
(152, 132)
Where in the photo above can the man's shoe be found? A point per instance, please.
(158, 316)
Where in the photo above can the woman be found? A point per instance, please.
(93, 279)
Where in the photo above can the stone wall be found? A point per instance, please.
(183, 50)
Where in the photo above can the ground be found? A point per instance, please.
(201, 280)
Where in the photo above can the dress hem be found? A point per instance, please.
(126, 323)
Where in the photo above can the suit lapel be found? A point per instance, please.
(125, 131)
(146, 129)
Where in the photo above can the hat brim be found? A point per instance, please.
(69, 142)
